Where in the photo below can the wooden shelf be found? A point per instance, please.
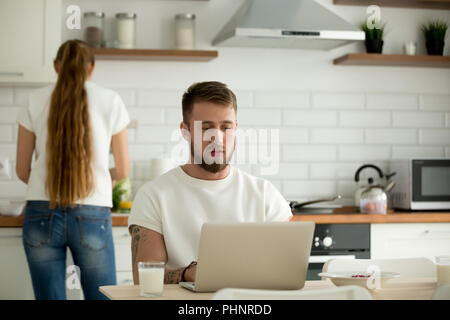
(393, 60)
(422, 4)
(154, 54)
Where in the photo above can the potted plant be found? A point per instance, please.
(374, 37)
(434, 34)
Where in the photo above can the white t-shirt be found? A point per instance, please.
(108, 117)
(176, 205)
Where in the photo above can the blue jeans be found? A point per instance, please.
(86, 230)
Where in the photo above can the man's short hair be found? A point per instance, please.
(210, 91)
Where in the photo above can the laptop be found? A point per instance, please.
(253, 255)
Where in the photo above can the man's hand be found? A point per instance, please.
(189, 275)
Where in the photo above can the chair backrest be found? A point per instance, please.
(442, 292)
(407, 267)
(338, 293)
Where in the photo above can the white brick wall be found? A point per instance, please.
(9, 114)
(435, 102)
(324, 136)
(338, 100)
(308, 188)
(308, 153)
(392, 101)
(418, 119)
(6, 96)
(337, 136)
(436, 137)
(364, 119)
(6, 133)
(310, 118)
(147, 115)
(391, 136)
(364, 153)
(282, 100)
(422, 151)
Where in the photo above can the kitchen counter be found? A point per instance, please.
(121, 220)
(118, 220)
(394, 217)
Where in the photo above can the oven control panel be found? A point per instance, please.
(341, 236)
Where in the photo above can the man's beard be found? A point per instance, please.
(214, 167)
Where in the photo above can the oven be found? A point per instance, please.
(343, 241)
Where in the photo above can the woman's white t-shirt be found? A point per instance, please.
(176, 205)
(108, 117)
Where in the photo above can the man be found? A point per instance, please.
(168, 212)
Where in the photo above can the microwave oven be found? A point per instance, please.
(421, 184)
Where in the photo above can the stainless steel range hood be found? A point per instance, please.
(301, 24)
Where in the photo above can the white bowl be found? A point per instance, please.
(363, 279)
(11, 208)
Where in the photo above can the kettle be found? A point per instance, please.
(374, 199)
(370, 181)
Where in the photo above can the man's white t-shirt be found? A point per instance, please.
(108, 116)
(176, 205)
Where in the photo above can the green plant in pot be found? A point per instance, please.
(434, 33)
(121, 192)
(374, 36)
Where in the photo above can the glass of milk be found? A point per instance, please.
(443, 270)
(151, 278)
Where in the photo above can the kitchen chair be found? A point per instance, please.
(442, 292)
(406, 267)
(338, 293)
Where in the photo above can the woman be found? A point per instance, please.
(70, 126)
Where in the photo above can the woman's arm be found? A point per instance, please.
(26, 141)
(119, 146)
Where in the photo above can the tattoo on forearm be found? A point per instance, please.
(173, 276)
(135, 238)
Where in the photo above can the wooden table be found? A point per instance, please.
(394, 289)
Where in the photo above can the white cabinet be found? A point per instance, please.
(122, 245)
(30, 33)
(15, 279)
(406, 240)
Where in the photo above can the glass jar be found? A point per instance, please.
(125, 206)
(93, 28)
(373, 200)
(126, 30)
(185, 31)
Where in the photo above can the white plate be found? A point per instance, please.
(363, 279)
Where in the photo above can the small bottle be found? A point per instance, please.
(126, 30)
(94, 26)
(185, 31)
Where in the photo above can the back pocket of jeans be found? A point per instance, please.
(94, 232)
(37, 229)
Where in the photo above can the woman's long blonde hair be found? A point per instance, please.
(69, 136)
